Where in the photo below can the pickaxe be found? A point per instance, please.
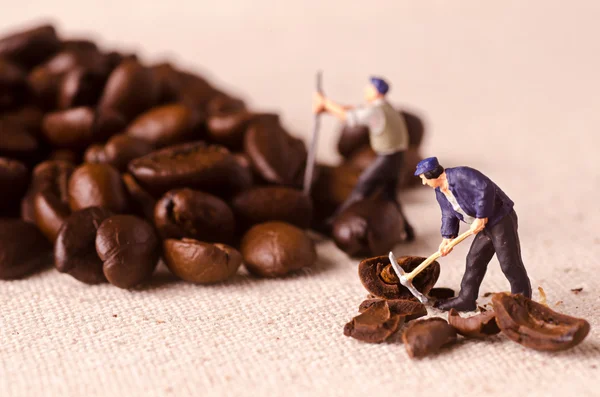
(312, 152)
(407, 278)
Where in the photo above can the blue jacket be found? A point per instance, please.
(476, 195)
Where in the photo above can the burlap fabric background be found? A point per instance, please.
(508, 87)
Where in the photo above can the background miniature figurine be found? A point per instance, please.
(465, 194)
(388, 138)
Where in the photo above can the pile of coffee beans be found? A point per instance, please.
(390, 306)
(108, 164)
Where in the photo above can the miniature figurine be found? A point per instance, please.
(465, 194)
(388, 137)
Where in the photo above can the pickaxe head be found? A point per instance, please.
(405, 281)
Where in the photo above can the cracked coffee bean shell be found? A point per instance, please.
(272, 203)
(129, 248)
(375, 324)
(193, 214)
(195, 165)
(14, 179)
(23, 249)
(274, 249)
(167, 125)
(276, 156)
(478, 326)
(369, 227)
(378, 277)
(537, 326)
(30, 47)
(424, 337)
(97, 185)
(75, 247)
(200, 262)
(409, 309)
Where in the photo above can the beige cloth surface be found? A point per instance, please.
(510, 88)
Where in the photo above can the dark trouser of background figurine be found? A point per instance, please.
(388, 136)
(465, 194)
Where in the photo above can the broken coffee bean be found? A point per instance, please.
(378, 277)
(375, 324)
(97, 185)
(193, 214)
(274, 249)
(200, 262)
(407, 308)
(424, 337)
(23, 249)
(478, 326)
(129, 248)
(537, 326)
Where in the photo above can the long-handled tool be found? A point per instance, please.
(312, 151)
(406, 278)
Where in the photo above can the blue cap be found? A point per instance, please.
(426, 165)
(380, 85)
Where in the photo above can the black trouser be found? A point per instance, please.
(383, 172)
(501, 239)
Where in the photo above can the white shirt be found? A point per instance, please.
(371, 116)
(467, 218)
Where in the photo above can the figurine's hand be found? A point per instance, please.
(478, 225)
(318, 103)
(445, 248)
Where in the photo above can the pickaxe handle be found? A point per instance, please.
(312, 151)
(435, 256)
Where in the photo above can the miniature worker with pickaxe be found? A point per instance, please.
(388, 136)
(465, 194)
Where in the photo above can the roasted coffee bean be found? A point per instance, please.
(425, 337)
(375, 324)
(129, 248)
(69, 129)
(415, 127)
(118, 151)
(408, 308)
(196, 91)
(13, 85)
(17, 143)
(274, 249)
(66, 155)
(442, 293)
(30, 47)
(537, 326)
(189, 213)
(14, 178)
(50, 212)
(272, 203)
(276, 156)
(80, 87)
(228, 121)
(167, 125)
(478, 326)
(97, 185)
(143, 202)
(78, 45)
(369, 227)
(130, 90)
(44, 87)
(224, 104)
(198, 262)
(333, 185)
(196, 165)
(75, 247)
(378, 277)
(168, 82)
(28, 117)
(23, 249)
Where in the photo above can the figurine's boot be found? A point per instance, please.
(459, 303)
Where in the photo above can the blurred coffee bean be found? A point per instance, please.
(17, 143)
(189, 213)
(272, 203)
(415, 127)
(30, 47)
(199, 262)
(196, 165)
(13, 85)
(23, 249)
(75, 247)
(94, 154)
(64, 155)
(50, 212)
(167, 125)
(70, 129)
(370, 227)
(168, 82)
(275, 155)
(44, 87)
(97, 185)
(130, 90)
(28, 118)
(78, 45)
(118, 151)
(14, 178)
(80, 87)
(129, 248)
(332, 187)
(274, 249)
(108, 123)
(196, 91)
(142, 202)
(224, 104)
(228, 122)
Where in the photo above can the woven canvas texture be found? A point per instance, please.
(508, 88)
